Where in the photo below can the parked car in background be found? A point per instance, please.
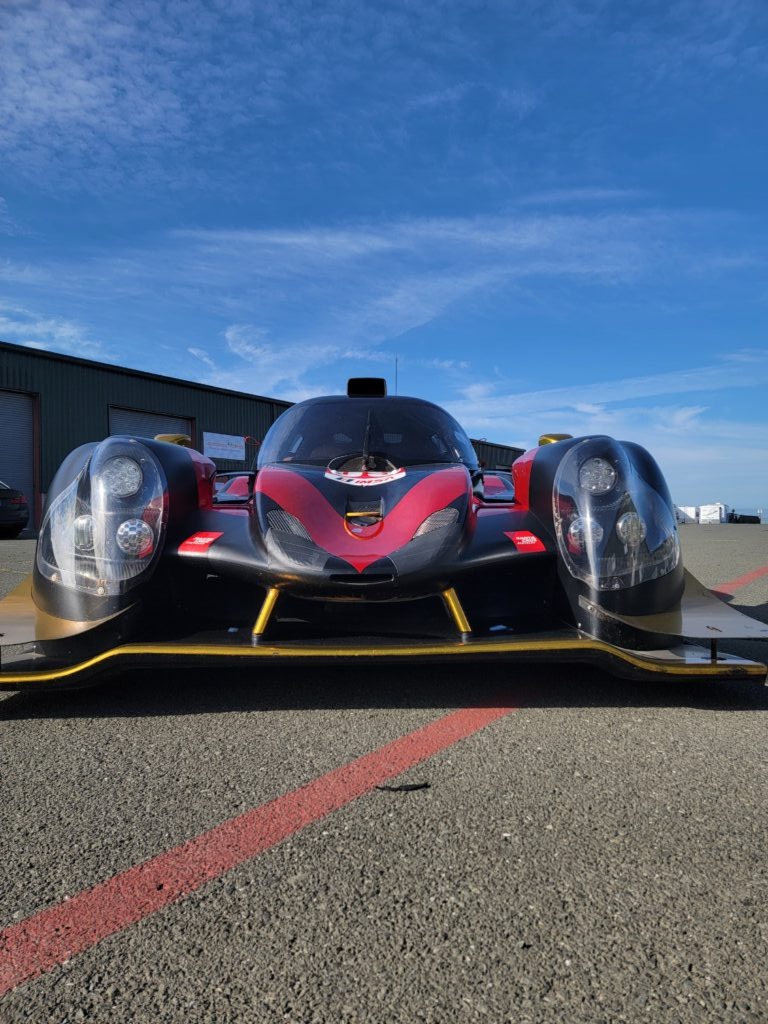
(14, 511)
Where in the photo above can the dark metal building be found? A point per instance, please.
(50, 404)
(496, 456)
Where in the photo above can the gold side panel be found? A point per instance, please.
(22, 622)
(701, 616)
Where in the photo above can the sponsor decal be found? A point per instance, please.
(525, 541)
(198, 542)
(365, 477)
(224, 446)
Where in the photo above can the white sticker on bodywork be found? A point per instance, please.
(365, 477)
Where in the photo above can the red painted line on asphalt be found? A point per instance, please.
(728, 589)
(52, 936)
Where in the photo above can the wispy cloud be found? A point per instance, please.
(579, 196)
(447, 97)
(702, 453)
(594, 399)
(326, 292)
(142, 91)
(23, 327)
(374, 282)
(13, 272)
(8, 226)
(255, 362)
(710, 36)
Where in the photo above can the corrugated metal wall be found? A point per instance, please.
(496, 456)
(148, 424)
(75, 396)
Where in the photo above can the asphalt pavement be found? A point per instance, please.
(596, 853)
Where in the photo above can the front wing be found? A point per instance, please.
(85, 653)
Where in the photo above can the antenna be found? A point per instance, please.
(395, 374)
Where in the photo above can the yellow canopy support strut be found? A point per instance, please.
(456, 612)
(260, 626)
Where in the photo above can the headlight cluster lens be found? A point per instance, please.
(597, 476)
(135, 538)
(101, 533)
(84, 531)
(122, 476)
(631, 529)
(623, 541)
(583, 531)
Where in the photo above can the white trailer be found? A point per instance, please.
(687, 513)
(717, 513)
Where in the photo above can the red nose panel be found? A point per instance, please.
(326, 527)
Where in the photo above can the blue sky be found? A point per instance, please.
(552, 213)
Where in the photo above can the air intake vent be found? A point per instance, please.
(284, 522)
(366, 387)
(371, 508)
(438, 521)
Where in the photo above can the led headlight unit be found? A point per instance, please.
(597, 476)
(631, 530)
(135, 538)
(583, 531)
(84, 531)
(122, 476)
(614, 529)
(102, 533)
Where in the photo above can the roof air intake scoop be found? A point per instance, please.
(366, 387)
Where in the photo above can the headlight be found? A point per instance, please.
(122, 476)
(614, 530)
(631, 529)
(135, 538)
(583, 532)
(84, 530)
(597, 476)
(102, 533)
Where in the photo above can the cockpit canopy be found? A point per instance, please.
(400, 431)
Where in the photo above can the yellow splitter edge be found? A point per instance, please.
(685, 661)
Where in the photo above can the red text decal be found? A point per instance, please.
(525, 541)
(198, 542)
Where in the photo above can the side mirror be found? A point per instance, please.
(238, 490)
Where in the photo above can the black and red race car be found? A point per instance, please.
(367, 531)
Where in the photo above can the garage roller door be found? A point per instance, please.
(147, 424)
(17, 444)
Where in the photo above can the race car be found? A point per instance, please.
(367, 531)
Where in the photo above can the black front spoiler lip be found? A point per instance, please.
(686, 661)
